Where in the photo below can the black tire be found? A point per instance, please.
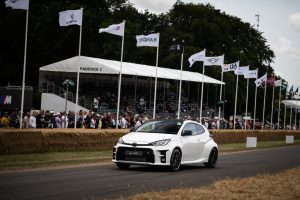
(123, 165)
(175, 161)
(212, 160)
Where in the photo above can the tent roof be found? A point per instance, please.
(293, 103)
(103, 66)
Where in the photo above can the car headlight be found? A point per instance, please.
(120, 141)
(160, 142)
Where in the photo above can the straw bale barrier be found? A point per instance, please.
(50, 140)
(239, 136)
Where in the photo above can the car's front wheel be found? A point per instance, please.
(123, 165)
(212, 160)
(175, 161)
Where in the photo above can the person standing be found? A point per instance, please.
(58, 120)
(32, 120)
(5, 120)
(26, 123)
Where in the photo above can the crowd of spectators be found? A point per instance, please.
(92, 120)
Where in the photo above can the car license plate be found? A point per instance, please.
(133, 153)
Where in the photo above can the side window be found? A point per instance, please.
(200, 129)
(191, 127)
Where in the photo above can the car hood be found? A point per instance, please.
(145, 138)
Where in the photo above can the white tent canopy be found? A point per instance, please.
(103, 66)
(292, 103)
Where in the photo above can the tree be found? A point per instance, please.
(199, 25)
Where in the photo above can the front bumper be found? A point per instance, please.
(149, 155)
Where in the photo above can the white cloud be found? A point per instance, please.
(285, 46)
(294, 20)
(158, 6)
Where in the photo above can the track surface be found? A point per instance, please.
(107, 181)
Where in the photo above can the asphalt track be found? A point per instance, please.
(107, 181)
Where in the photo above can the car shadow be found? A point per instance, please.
(141, 168)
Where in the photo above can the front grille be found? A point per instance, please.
(135, 154)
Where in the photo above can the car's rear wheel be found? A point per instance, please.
(212, 160)
(175, 161)
(123, 165)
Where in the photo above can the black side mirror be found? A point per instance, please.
(187, 133)
(132, 129)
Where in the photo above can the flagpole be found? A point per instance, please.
(120, 81)
(247, 101)
(180, 83)
(24, 69)
(291, 114)
(272, 106)
(296, 109)
(279, 103)
(263, 121)
(236, 92)
(155, 85)
(201, 99)
(284, 126)
(78, 71)
(254, 116)
(221, 87)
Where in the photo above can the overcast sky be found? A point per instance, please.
(279, 22)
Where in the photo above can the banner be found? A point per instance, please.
(217, 60)
(115, 29)
(241, 70)
(197, 57)
(250, 74)
(70, 17)
(17, 4)
(151, 40)
(278, 83)
(230, 67)
(259, 81)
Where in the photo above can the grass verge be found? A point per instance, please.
(18, 161)
(284, 185)
(34, 160)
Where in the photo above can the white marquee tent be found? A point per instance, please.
(292, 103)
(103, 66)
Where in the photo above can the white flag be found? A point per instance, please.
(115, 29)
(151, 40)
(200, 56)
(218, 60)
(262, 79)
(70, 17)
(17, 4)
(250, 74)
(278, 83)
(230, 67)
(241, 70)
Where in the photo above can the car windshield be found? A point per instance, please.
(161, 126)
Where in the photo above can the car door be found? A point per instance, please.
(190, 143)
(202, 139)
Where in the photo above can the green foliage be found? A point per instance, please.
(200, 26)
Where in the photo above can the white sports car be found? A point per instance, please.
(167, 143)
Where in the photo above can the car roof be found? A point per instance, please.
(169, 120)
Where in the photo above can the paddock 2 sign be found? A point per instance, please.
(90, 69)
